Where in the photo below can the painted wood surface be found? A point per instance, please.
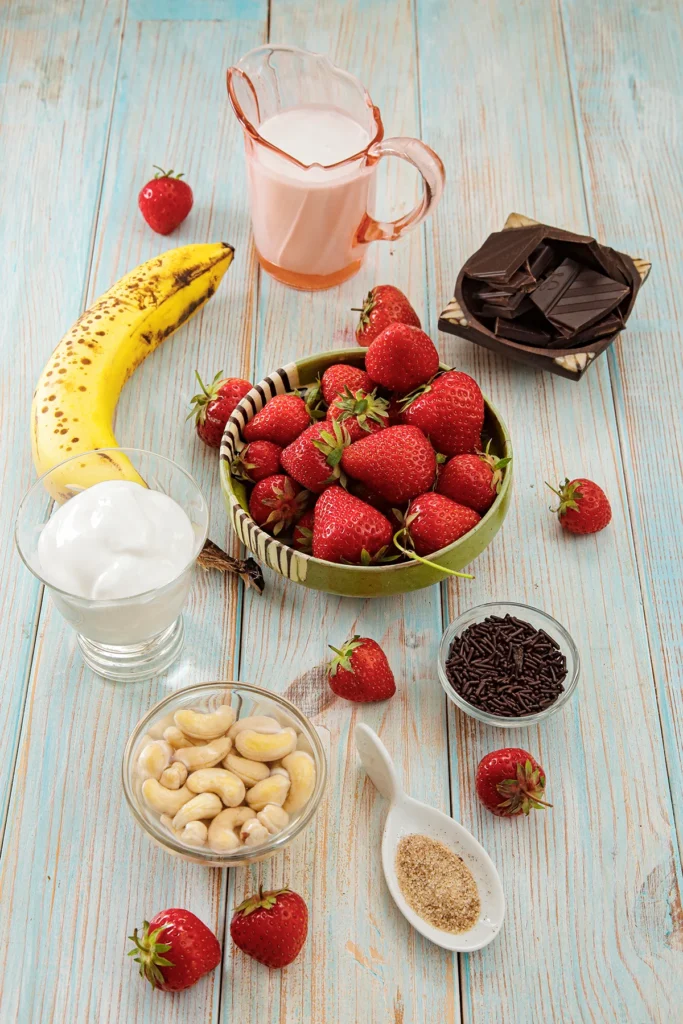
(547, 110)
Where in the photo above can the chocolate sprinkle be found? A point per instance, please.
(506, 667)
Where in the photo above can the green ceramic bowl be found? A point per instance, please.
(348, 580)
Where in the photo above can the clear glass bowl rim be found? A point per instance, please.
(515, 608)
(239, 856)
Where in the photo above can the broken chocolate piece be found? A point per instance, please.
(519, 332)
(508, 312)
(541, 260)
(610, 325)
(588, 298)
(552, 288)
(503, 254)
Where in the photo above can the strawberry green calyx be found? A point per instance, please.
(199, 402)
(287, 506)
(364, 408)
(343, 655)
(569, 494)
(332, 444)
(417, 393)
(262, 901)
(366, 310)
(149, 953)
(313, 397)
(240, 468)
(165, 174)
(408, 549)
(523, 793)
(496, 465)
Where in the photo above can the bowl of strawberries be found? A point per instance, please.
(367, 472)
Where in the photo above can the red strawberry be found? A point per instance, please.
(398, 462)
(165, 201)
(256, 461)
(313, 459)
(281, 420)
(340, 377)
(361, 413)
(401, 358)
(433, 521)
(472, 480)
(214, 405)
(384, 305)
(276, 503)
(345, 529)
(175, 950)
(302, 538)
(271, 927)
(511, 782)
(450, 411)
(584, 507)
(360, 671)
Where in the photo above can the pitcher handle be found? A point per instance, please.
(433, 177)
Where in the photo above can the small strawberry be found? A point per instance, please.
(276, 502)
(511, 782)
(214, 404)
(360, 671)
(472, 480)
(398, 462)
(434, 521)
(313, 458)
(165, 201)
(383, 306)
(346, 529)
(256, 461)
(340, 377)
(302, 538)
(175, 950)
(271, 927)
(402, 358)
(361, 413)
(281, 420)
(584, 507)
(450, 411)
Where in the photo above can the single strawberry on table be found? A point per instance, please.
(383, 306)
(472, 480)
(281, 420)
(342, 376)
(584, 507)
(433, 522)
(271, 926)
(398, 462)
(257, 460)
(165, 201)
(174, 950)
(401, 358)
(277, 502)
(346, 529)
(510, 782)
(214, 404)
(361, 413)
(314, 457)
(449, 411)
(360, 671)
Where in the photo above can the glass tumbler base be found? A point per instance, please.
(135, 661)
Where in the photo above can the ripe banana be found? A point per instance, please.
(74, 401)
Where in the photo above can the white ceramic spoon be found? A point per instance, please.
(407, 816)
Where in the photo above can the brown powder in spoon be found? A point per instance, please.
(437, 884)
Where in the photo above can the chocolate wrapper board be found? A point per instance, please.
(543, 296)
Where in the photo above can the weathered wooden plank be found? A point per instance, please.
(76, 873)
(53, 132)
(363, 962)
(628, 85)
(591, 933)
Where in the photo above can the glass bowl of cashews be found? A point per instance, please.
(224, 773)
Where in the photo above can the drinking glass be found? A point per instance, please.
(132, 637)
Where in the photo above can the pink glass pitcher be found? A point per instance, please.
(313, 141)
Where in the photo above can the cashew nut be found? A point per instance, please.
(206, 805)
(272, 790)
(253, 833)
(301, 768)
(162, 800)
(250, 772)
(194, 833)
(174, 776)
(156, 731)
(205, 756)
(259, 746)
(277, 769)
(153, 758)
(205, 725)
(176, 738)
(217, 780)
(258, 723)
(222, 835)
(273, 817)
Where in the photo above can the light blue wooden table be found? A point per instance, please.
(566, 110)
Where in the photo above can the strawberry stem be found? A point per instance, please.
(425, 561)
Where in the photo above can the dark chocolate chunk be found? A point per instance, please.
(552, 288)
(521, 333)
(541, 260)
(509, 312)
(503, 254)
(588, 298)
(610, 325)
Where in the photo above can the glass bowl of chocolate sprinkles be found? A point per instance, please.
(508, 664)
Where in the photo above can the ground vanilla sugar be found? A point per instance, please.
(437, 884)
